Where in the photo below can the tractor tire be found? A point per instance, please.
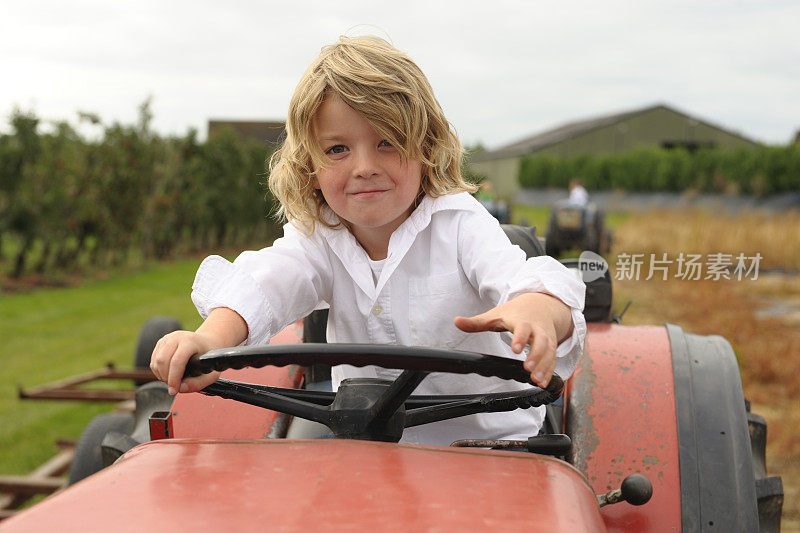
(722, 457)
(151, 332)
(88, 455)
(605, 243)
(525, 237)
(551, 244)
(591, 240)
(769, 490)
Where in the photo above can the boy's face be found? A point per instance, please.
(366, 182)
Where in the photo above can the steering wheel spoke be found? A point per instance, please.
(478, 403)
(268, 399)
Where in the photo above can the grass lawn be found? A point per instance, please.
(51, 334)
(539, 216)
(531, 216)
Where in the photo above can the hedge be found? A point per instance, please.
(71, 198)
(758, 171)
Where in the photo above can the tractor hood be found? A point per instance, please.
(285, 485)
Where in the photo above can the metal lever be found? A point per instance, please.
(636, 490)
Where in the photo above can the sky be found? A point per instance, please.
(501, 69)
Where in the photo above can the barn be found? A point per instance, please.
(658, 125)
(266, 131)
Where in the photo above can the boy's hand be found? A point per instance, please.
(535, 319)
(172, 353)
(223, 328)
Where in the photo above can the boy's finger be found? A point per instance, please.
(177, 365)
(153, 364)
(539, 360)
(546, 367)
(197, 383)
(480, 322)
(545, 372)
(522, 335)
(154, 359)
(159, 361)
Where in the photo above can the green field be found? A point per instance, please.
(51, 334)
(539, 216)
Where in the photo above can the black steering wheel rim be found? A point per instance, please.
(360, 355)
(385, 417)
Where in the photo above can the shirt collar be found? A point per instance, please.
(355, 259)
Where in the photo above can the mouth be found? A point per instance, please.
(372, 193)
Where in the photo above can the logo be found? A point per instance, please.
(592, 266)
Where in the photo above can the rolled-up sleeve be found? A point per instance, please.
(220, 283)
(268, 288)
(501, 272)
(546, 275)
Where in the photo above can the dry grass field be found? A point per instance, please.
(775, 235)
(759, 317)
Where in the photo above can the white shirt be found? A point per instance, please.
(449, 258)
(578, 195)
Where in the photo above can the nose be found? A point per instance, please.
(365, 164)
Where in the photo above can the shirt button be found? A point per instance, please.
(377, 310)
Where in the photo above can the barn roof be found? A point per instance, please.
(271, 131)
(569, 130)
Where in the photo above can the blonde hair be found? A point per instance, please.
(385, 87)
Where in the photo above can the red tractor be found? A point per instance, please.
(651, 433)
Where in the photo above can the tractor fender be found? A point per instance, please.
(669, 405)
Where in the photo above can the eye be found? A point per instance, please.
(384, 142)
(336, 149)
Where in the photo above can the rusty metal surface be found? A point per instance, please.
(19, 489)
(279, 426)
(620, 414)
(484, 443)
(88, 395)
(280, 485)
(69, 389)
(29, 486)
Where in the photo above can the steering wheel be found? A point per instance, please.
(367, 408)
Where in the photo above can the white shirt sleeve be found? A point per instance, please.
(500, 272)
(269, 288)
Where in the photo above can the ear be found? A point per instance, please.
(316, 183)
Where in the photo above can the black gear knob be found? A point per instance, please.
(636, 489)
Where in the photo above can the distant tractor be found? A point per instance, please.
(577, 226)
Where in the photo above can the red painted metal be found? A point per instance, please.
(628, 372)
(161, 425)
(279, 485)
(196, 415)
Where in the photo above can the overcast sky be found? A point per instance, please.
(501, 69)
